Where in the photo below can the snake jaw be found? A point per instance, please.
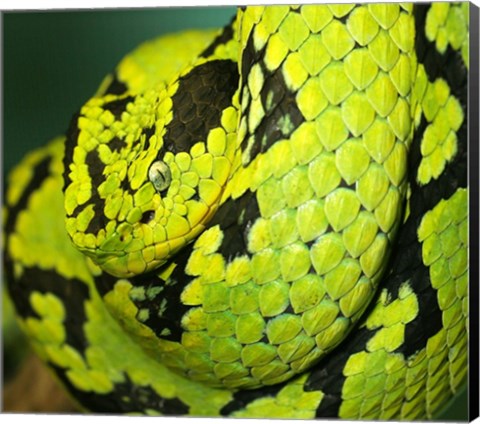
(126, 264)
(133, 249)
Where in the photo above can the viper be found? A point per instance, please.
(266, 220)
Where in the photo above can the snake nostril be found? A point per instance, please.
(147, 217)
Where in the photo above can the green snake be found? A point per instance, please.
(266, 220)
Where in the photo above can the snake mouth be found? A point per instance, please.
(129, 264)
(125, 259)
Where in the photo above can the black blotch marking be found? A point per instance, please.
(95, 169)
(407, 254)
(242, 398)
(224, 37)
(201, 97)
(40, 172)
(116, 144)
(327, 375)
(165, 308)
(117, 107)
(125, 397)
(282, 115)
(72, 292)
(104, 283)
(448, 65)
(250, 56)
(98, 220)
(116, 86)
(235, 218)
(95, 165)
(273, 91)
(281, 119)
(78, 209)
(148, 132)
(126, 187)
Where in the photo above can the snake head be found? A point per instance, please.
(145, 173)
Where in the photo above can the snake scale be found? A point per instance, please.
(266, 220)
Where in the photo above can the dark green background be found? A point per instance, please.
(54, 61)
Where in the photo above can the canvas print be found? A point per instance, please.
(266, 219)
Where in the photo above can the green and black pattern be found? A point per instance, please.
(269, 220)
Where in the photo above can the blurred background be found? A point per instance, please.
(54, 61)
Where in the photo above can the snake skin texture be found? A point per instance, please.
(265, 220)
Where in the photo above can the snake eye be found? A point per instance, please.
(160, 176)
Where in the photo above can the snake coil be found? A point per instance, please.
(269, 220)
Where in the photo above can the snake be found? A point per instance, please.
(266, 220)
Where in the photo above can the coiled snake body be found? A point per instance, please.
(267, 221)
